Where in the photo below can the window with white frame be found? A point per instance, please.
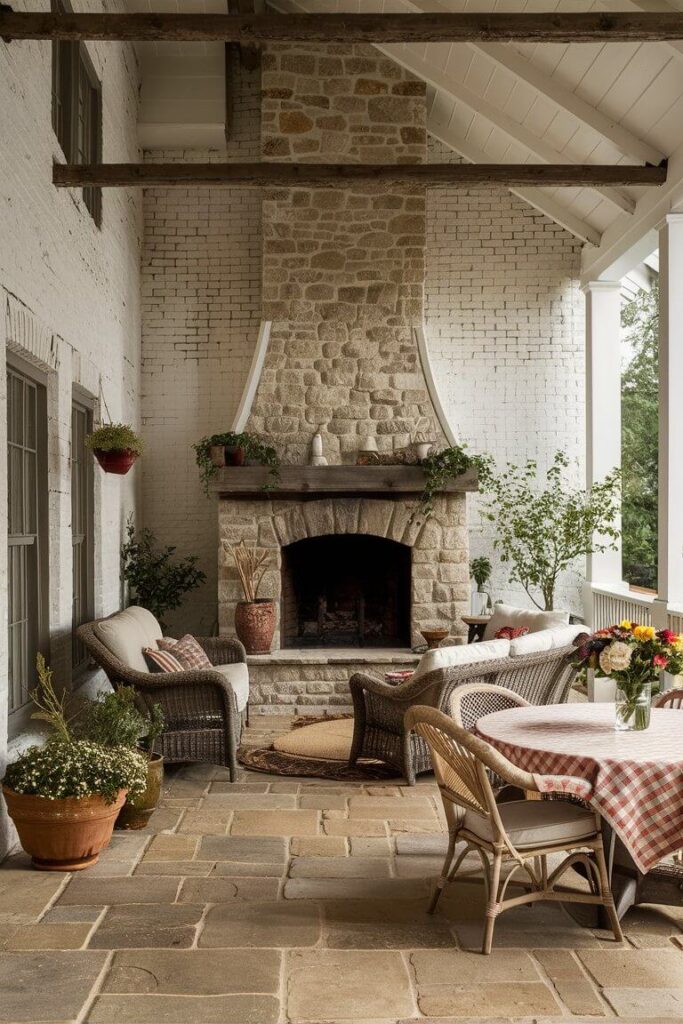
(27, 539)
(81, 528)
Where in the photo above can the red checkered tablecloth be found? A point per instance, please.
(634, 779)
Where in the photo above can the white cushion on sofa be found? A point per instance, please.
(532, 643)
(544, 640)
(508, 615)
(463, 654)
(147, 623)
(125, 638)
(237, 675)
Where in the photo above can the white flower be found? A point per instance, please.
(615, 658)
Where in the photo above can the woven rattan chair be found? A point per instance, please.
(525, 832)
(379, 708)
(199, 706)
(472, 701)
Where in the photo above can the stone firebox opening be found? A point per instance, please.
(345, 591)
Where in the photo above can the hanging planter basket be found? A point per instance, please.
(116, 446)
(116, 462)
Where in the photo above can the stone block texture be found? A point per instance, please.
(439, 574)
(343, 269)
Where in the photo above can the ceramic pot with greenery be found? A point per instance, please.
(480, 571)
(114, 720)
(64, 797)
(255, 616)
(116, 446)
(239, 449)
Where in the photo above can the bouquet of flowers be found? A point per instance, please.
(633, 656)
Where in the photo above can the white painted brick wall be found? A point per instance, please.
(76, 288)
(201, 310)
(504, 318)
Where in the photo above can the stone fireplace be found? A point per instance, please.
(354, 576)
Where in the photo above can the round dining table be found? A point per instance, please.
(633, 779)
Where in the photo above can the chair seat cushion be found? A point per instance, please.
(532, 823)
(237, 675)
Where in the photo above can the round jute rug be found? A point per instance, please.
(315, 748)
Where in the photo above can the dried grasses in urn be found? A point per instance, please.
(252, 564)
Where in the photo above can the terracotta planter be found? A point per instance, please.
(63, 835)
(235, 456)
(217, 455)
(116, 462)
(255, 624)
(136, 813)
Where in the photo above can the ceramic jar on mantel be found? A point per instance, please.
(255, 624)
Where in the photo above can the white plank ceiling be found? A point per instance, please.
(578, 103)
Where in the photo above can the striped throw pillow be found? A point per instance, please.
(189, 653)
(161, 661)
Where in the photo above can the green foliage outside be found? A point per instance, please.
(639, 438)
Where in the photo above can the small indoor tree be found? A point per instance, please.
(541, 530)
(158, 580)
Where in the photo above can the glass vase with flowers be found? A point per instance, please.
(633, 656)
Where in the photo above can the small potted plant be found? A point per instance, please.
(64, 797)
(116, 446)
(114, 720)
(480, 570)
(255, 616)
(231, 449)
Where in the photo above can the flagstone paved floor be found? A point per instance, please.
(273, 901)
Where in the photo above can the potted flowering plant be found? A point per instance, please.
(633, 656)
(114, 720)
(116, 446)
(64, 797)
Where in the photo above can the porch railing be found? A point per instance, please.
(611, 606)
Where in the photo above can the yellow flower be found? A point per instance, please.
(644, 633)
(625, 624)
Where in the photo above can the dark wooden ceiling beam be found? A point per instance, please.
(281, 175)
(553, 27)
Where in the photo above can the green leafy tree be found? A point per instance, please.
(157, 579)
(541, 530)
(639, 437)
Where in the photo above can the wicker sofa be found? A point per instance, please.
(540, 676)
(204, 709)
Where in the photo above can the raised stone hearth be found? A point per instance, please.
(315, 503)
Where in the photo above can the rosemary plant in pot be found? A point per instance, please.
(633, 656)
(64, 797)
(115, 720)
(255, 616)
(116, 446)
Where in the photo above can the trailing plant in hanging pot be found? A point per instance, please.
(64, 796)
(116, 446)
(231, 449)
(255, 616)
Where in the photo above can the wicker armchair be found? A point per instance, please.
(199, 706)
(379, 708)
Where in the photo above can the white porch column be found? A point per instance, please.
(603, 410)
(670, 585)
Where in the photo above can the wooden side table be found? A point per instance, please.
(476, 624)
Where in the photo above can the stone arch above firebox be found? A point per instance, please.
(376, 517)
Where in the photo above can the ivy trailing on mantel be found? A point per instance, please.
(253, 448)
(443, 466)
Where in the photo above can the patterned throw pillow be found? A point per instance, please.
(161, 661)
(188, 652)
(509, 632)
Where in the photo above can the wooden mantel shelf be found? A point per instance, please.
(317, 481)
